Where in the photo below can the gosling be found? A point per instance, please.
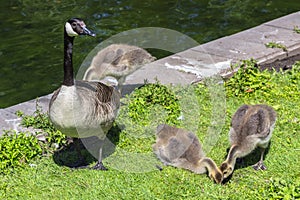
(251, 127)
(117, 61)
(182, 149)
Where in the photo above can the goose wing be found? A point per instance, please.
(102, 102)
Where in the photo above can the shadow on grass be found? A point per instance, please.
(88, 148)
(248, 160)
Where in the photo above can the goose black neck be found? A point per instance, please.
(68, 62)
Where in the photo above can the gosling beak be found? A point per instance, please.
(88, 32)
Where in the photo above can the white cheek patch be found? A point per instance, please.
(70, 30)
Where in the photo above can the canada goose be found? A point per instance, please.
(118, 61)
(251, 127)
(181, 148)
(80, 108)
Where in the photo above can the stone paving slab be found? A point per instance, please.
(201, 64)
(287, 22)
(43, 103)
(157, 71)
(10, 121)
(264, 34)
(237, 49)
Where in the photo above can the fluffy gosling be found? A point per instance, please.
(251, 127)
(181, 148)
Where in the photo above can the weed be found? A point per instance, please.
(17, 149)
(276, 45)
(144, 98)
(296, 29)
(40, 120)
(248, 80)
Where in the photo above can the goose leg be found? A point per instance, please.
(99, 165)
(260, 164)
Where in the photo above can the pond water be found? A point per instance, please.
(31, 32)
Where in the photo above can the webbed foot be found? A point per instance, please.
(259, 166)
(99, 166)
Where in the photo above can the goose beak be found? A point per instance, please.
(88, 32)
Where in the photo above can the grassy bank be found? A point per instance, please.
(206, 109)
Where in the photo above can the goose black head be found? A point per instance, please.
(76, 26)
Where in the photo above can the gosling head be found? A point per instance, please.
(76, 26)
(216, 176)
(214, 172)
(226, 169)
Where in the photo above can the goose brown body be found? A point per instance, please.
(85, 109)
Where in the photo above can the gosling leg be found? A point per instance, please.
(260, 164)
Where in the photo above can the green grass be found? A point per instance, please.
(204, 109)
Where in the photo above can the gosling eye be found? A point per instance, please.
(225, 172)
(224, 167)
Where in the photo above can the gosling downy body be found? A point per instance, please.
(251, 127)
(118, 61)
(82, 109)
(181, 148)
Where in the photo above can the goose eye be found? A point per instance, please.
(74, 24)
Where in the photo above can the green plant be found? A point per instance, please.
(276, 45)
(41, 121)
(143, 99)
(296, 29)
(17, 149)
(248, 80)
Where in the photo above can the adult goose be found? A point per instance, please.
(117, 61)
(251, 127)
(181, 148)
(82, 109)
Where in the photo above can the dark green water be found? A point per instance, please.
(31, 32)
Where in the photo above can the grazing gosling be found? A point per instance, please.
(251, 127)
(118, 61)
(182, 149)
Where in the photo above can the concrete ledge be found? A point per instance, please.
(215, 57)
(10, 121)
